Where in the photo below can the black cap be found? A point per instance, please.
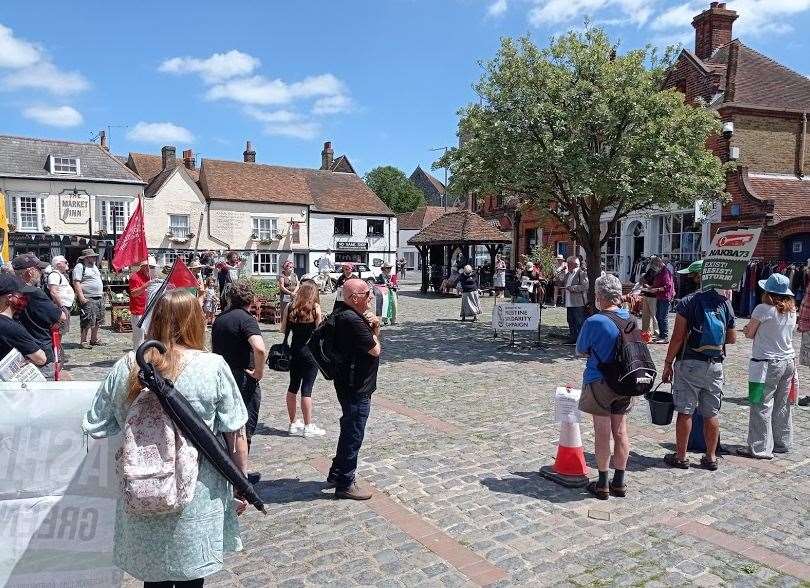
(9, 283)
(27, 260)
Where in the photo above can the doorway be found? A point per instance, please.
(636, 234)
(301, 264)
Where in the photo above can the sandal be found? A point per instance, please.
(618, 491)
(600, 493)
(97, 343)
(709, 464)
(671, 459)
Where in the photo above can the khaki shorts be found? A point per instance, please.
(599, 400)
(91, 313)
(697, 385)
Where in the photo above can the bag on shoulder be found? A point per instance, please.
(279, 356)
(631, 371)
(157, 466)
(708, 334)
(323, 348)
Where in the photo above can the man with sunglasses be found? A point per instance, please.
(357, 335)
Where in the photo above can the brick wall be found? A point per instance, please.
(767, 144)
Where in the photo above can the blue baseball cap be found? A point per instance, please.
(777, 284)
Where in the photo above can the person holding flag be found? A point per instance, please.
(139, 283)
(179, 276)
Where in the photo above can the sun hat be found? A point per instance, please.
(195, 265)
(26, 261)
(695, 267)
(777, 284)
(88, 253)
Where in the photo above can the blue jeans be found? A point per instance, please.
(575, 316)
(662, 316)
(352, 430)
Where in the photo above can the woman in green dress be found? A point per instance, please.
(182, 548)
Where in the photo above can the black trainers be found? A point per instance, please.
(804, 401)
(352, 493)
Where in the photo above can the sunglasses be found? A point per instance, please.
(365, 294)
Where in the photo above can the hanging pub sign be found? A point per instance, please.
(352, 245)
(74, 207)
(728, 257)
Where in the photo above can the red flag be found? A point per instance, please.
(131, 248)
(181, 276)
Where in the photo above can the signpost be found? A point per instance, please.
(728, 256)
(512, 317)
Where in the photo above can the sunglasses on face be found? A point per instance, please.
(364, 294)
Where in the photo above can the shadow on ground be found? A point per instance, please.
(287, 490)
(533, 485)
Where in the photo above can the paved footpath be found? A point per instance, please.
(458, 431)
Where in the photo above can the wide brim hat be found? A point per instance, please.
(195, 265)
(695, 267)
(777, 284)
(88, 253)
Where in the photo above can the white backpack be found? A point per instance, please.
(156, 465)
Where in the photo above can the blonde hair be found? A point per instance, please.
(784, 303)
(177, 320)
(303, 309)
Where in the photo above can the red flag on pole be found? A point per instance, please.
(131, 246)
(181, 276)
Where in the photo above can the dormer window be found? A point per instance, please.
(65, 165)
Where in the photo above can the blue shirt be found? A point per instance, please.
(598, 339)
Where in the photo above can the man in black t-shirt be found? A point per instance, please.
(12, 334)
(236, 336)
(357, 335)
(40, 312)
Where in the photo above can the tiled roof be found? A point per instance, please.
(148, 166)
(761, 81)
(325, 191)
(432, 188)
(458, 227)
(791, 196)
(342, 164)
(25, 157)
(419, 218)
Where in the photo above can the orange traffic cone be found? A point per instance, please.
(569, 469)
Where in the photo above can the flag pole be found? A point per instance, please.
(158, 295)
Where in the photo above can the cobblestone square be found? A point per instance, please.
(458, 431)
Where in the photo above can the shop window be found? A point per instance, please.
(65, 165)
(343, 226)
(113, 215)
(178, 225)
(679, 237)
(611, 250)
(375, 228)
(27, 212)
(264, 229)
(265, 264)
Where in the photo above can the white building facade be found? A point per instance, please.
(359, 238)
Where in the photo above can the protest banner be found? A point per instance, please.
(57, 490)
(515, 317)
(727, 258)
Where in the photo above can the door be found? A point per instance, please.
(797, 248)
(301, 264)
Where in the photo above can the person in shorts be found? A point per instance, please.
(597, 340)
(696, 376)
(61, 290)
(90, 291)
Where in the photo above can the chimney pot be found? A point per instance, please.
(249, 154)
(102, 135)
(188, 159)
(168, 156)
(713, 29)
(327, 156)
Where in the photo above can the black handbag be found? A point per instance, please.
(278, 359)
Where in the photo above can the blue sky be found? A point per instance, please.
(381, 79)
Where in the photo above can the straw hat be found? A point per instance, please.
(88, 253)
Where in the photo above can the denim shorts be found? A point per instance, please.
(697, 385)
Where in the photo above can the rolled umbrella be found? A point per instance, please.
(193, 427)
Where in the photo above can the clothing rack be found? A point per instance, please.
(748, 295)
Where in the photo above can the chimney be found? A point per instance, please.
(169, 156)
(249, 154)
(713, 29)
(102, 135)
(188, 158)
(327, 156)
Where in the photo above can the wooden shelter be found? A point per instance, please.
(454, 236)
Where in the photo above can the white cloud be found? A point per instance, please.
(497, 8)
(296, 130)
(756, 17)
(159, 132)
(31, 68)
(562, 11)
(275, 116)
(55, 116)
(218, 67)
(16, 52)
(332, 105)
(46, 76)
(258, 90)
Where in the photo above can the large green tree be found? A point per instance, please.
(583, 134)
(394, 188)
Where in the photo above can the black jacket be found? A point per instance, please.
(468, 282)
(39, 315)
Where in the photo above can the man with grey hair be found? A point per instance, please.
(597, 341)
(576, 296)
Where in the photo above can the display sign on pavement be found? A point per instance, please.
(515, 317)
(728, 256)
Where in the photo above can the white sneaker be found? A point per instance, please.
(296, 428)
(312, 430)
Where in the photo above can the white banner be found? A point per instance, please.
(57, 494)
(515, 317)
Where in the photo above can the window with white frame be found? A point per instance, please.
(265, 263)
(611, 250)
(375, 227)
(64, 165)
(169, 257)
(27, 212)
(113, 215)
(679, 236)
(178, 226)
(264, 228)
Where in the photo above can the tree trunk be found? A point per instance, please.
(593, 259)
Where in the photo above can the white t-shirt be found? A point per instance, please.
(64, 291)
(774, 338)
